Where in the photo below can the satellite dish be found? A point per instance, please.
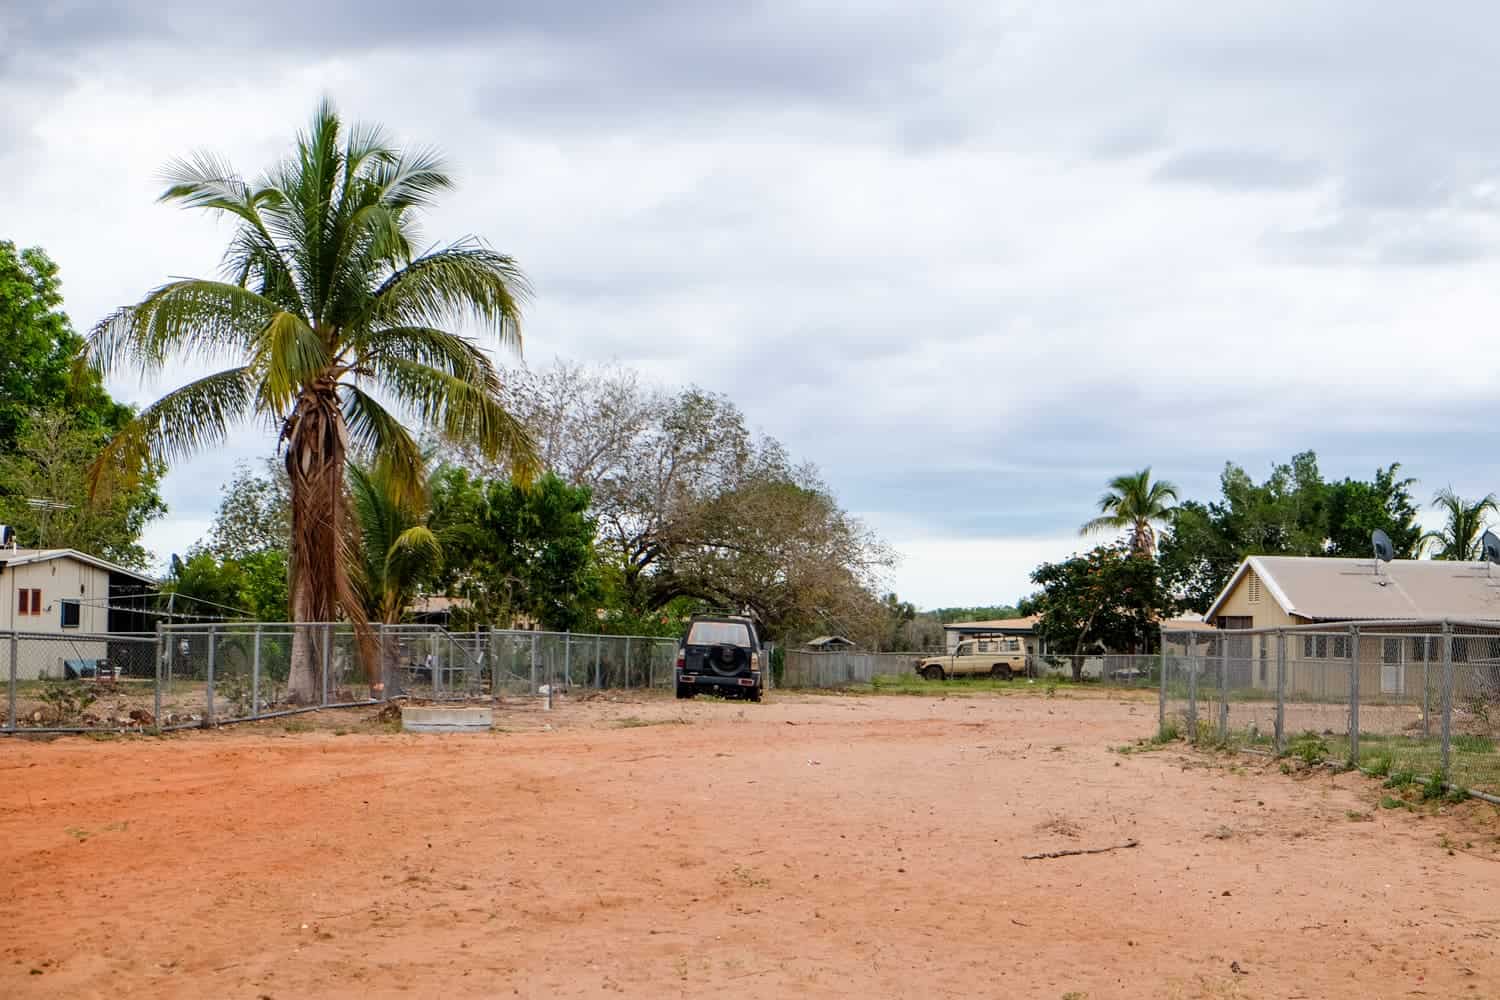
(1490, 545)
(1381, 542)
(7, 535)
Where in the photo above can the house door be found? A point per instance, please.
(1392, 669)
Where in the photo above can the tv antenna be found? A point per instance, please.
(44, 506)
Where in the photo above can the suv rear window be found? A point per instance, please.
(719, 634)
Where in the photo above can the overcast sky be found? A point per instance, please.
(971, 259)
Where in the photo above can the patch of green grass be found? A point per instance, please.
(1391, 802)
(1379, 764)
(1310, 748)
(296, 726)
(1168, 733)
(1471, 743)
(1434, 788)
(1355, 816)
(1401, 779)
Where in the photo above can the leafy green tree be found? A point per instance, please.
(1134, 503)
(515, 550)
(266, 592)
(50, 460)
(1293, 512)
(205, 586)
(328, 305)
(1110, 598)
(255, 513)
(1459, 538)
(1356, 509)
(37, 366)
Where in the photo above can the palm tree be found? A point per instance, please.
(1132, 503)
(1459, 538)
(330, 312)
(397, 550)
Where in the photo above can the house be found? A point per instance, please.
(75, 597)
(829, 643)
(1271, 592)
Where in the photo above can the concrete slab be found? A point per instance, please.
(441, 719)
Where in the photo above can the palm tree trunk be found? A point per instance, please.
(316, 448)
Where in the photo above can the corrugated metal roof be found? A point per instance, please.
(1351, 589)
(22, 557)
(998, 624)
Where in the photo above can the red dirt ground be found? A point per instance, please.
(811, 846)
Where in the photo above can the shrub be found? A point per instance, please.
(66, 699)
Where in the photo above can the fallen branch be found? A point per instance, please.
(1087, 850)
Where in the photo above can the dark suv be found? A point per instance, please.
(722, 654)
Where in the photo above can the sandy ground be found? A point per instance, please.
(811, 846)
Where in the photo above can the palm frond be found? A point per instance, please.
(182, 422)
(183, 318)
(376, 435)
(287, 355)
(464, 413)
(454, 284)
(452, 353)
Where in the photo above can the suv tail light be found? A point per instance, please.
(755, 663)
(681, 658)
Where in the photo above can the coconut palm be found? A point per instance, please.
(330, 313)
(1133, 503)
(1459, 538)
(396, 548)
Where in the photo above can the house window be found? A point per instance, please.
(1390, 651)
(1253, 589)
(1235, 621)
(70, 613)
(28, 602)
(1314, 647)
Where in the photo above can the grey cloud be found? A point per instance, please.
(1240, 170)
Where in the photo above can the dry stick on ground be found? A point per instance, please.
(1089, 850)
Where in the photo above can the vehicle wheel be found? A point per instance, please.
(933, 673)
(754, 696)
(685, 691)
(1000, 671)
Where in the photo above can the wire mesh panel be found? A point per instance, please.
(78, 681)
(1474, 702)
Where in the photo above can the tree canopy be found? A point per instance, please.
(54, 417)
(1110, 598)
(1295, 511)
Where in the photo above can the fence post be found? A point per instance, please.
(627, 663)
(208, 707)
(1353, 695)
(1161, 697)
(327, 653)
(533, 663)
(1223, 689)
(1426, 688)
(255, 675)
(1192, 712)
(1447, 693)
(1280, 690)
(10, 710)
(156, 686)
(567, 659)
(598, 674)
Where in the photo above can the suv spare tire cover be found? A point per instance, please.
(727, 660)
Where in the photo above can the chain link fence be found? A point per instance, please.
(1417, 698)
(189, 676)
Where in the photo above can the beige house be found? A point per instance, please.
(71, 596)
(1270, 592)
